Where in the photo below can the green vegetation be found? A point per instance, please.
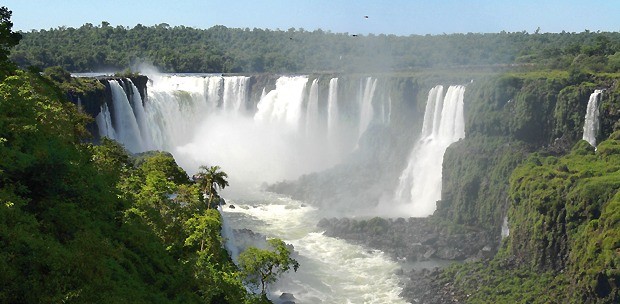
(210, 179)
(475, 186)
(261, 267)
(564, 221)
(221, 49)
(83, 223)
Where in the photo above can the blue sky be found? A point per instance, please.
(399, 17)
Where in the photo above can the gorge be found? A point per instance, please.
(356, 146)
(470, 168)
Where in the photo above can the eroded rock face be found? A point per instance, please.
(414, 239)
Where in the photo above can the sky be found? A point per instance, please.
(398, 17)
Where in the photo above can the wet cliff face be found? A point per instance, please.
(523, 158)
(508, 117)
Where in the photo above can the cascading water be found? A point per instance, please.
(312, 109)
(283, 105)
(209, 120)
(125, 123)
(419, 185)
(591, 124)
(332, 110)
(235, 93)
(138, 109)
(104, 123)
(366, 111)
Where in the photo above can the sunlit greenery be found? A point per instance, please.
(221, 49)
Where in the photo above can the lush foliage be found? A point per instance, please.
(564, 232)
(261, 267)
(475, 182)
(221, 49)
(565, 214)
(210, 179)
(83, 223)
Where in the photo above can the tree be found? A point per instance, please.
(261, 267)
(8, 38)
(210, 179)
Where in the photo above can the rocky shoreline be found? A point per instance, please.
(418, 240)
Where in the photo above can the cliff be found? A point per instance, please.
(523, 159)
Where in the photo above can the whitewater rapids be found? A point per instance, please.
(332, 270)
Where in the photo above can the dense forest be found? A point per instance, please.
(218, 49)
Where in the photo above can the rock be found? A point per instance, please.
(430, 239)
(429, 253)
(231, 206)
(287, 296)
(449, 253)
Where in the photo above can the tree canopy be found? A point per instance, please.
(234, 50)
(261, 267)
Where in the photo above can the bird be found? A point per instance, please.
(366, 17)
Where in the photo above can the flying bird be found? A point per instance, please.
(366, 17)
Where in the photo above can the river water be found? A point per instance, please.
(332, 270)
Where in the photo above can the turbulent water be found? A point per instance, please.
(282, 130)
(591, 124)
(332, 270)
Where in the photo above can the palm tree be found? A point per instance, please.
(212, 178)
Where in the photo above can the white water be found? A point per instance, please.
(282, 106)
(312, 109)
(366, 110)
(208, 121)
(419, 185)
(104, 123)
(235, 93)
(333, 117)
(140, 115)
(332, 270)
(505, 229)
(591, 124)
(125, 123)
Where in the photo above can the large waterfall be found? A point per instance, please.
(591, 124)
(419, 185)
(268, 130)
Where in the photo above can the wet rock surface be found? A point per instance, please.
(418, 239)
(414, 239)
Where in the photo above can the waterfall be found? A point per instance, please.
(312, 109)
(138, 109)
(283, 105)
(420, 182)
(591, 124)
(235, 93)
(386, 111)
(213, 91)
(125, 123)
(505, 229)
(366, 111)
(104, 123)
(176, 105)
(332, 109)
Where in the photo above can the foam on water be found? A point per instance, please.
(332, 270)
